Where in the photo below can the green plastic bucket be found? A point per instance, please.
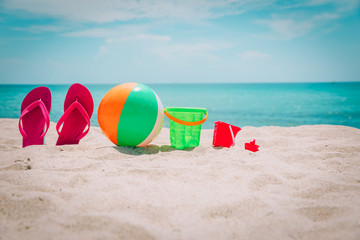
(185, 126)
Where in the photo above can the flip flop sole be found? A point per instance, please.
(33, 123)
(75, 124)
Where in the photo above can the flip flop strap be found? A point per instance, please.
(72, 107)
(28, 109)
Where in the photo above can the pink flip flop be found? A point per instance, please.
(78, 108)
(34, 116)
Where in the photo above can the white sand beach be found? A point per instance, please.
(303, 183)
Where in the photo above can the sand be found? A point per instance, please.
(304, 183)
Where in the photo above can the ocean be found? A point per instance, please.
(242, 104)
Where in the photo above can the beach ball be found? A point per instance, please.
(131, 114)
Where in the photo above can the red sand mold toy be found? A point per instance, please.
(224, 134)
(251, 146)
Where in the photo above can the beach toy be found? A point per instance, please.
(34, 116)
(131, 114)
(251, 146)
(224, 134)
(78, 108)
(185, 126)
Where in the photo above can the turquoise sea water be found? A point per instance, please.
(289, 104)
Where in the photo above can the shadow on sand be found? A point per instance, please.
(149, 150)
(217, 148)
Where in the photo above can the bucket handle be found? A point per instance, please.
(185, 122)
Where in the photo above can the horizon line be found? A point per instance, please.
(180, 83)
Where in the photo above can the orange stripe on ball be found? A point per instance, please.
(110, 109)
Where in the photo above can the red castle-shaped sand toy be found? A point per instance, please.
(224, 134)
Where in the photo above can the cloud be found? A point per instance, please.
(153, 37)
(251, 55)
(300, 19)
(103, 50)
(184, 51)
(102, 11)
(137, 61)
(113, 32)
(115, 35)
(341, 6)
(118, 35)
(287, 28)
(117, 39)
(39, 28)
(146, 37)
(93, 32)
(326, 16)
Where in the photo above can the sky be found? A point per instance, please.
(159, 41)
